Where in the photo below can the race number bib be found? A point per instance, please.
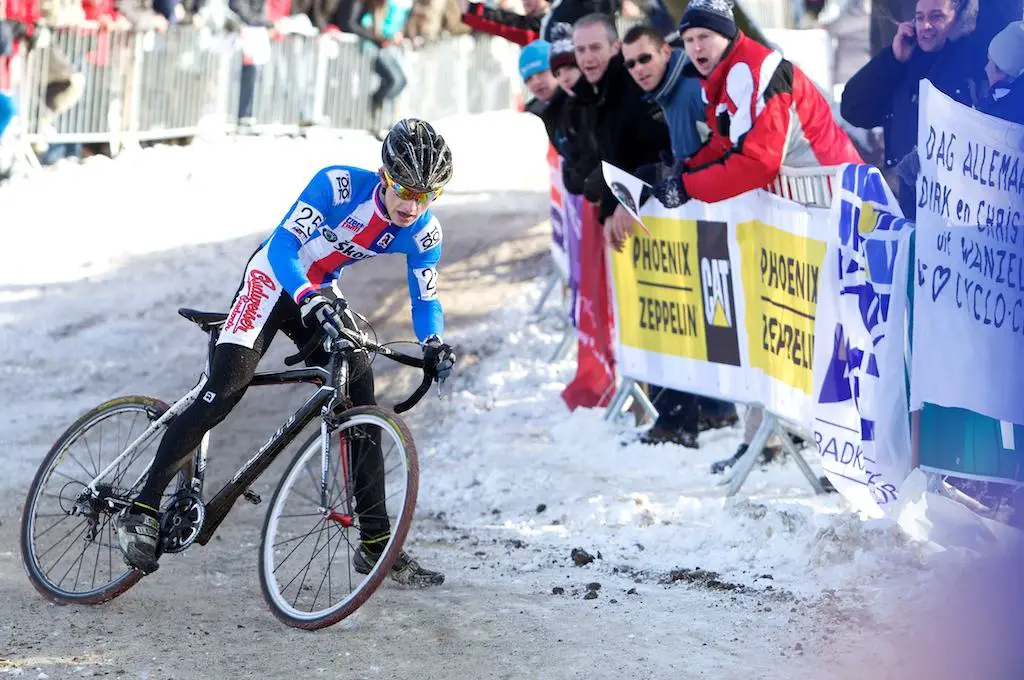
(427, 280)
(303, 220)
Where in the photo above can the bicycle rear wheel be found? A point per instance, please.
(68, 545)
(307, 572)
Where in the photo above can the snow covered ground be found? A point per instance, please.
(98, 255)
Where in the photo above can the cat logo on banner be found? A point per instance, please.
(723, 344)
(680, 284)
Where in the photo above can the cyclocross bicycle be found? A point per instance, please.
(311, 529)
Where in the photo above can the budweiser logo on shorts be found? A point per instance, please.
(247, 307)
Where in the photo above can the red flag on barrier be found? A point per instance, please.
(594, 382)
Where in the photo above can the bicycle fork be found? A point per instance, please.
(345, 515)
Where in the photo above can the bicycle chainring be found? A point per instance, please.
(181, 521)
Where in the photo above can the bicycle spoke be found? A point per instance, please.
(305, 572)
(66, 550)
(57, 542)
(49, 547)
(88, 450)
(42, 533)
(69, 477)
(297, 538)
(327, 574)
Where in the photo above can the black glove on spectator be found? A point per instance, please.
(671, 192)
(593, 186)
(438, 359)
(318, 312)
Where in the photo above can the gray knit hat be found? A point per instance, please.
(1007, 50)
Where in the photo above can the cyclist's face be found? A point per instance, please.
(403, 211)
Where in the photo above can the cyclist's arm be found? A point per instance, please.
(422, 259)
(298, 226)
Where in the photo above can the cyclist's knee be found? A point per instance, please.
(212, 406)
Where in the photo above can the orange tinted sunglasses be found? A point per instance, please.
(407, 194)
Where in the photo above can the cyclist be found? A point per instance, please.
(345, 215)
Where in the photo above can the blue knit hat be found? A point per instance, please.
(535, 58)
(714, 15)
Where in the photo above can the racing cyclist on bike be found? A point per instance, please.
(345, 214)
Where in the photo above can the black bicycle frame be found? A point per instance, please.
(330, 384)
(220, 505)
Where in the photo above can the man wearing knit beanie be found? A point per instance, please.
(714, 15)
(535, 69)
(1005, 71)
(563, 57)
(763, 111)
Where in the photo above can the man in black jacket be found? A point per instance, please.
(630, 130)
(631, 133)
(934, 46)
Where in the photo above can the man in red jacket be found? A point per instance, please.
(762, 110)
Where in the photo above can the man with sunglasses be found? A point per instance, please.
(343, 216)
(658, 69)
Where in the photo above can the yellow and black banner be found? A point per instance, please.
(703, 303)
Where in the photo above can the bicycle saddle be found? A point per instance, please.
(208, 321)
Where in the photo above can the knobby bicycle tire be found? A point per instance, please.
(399, 530)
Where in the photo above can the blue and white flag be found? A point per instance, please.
(861, 423)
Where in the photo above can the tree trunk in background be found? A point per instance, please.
(743, 20)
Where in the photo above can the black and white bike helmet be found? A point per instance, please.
(416, 156)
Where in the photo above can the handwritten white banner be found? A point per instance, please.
(968, 333)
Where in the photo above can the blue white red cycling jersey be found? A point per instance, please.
(340, 219)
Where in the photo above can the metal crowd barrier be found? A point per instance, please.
(133, 88)
(810, 186)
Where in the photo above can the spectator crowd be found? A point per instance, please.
(700, 110)
(385, 30)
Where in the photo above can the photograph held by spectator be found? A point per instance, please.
(884, 93)
(772, 113)
(538, 21)
(1005, 71)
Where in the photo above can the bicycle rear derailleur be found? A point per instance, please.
(181, 521)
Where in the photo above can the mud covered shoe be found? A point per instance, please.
(406, 571)
(138, 535)
(661, 435)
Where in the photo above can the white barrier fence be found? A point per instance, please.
(139, 87)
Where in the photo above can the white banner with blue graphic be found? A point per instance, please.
(861, 423)
(969, 278)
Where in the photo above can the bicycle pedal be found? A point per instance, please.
(252, 497)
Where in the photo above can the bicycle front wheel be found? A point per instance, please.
(309, 571)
